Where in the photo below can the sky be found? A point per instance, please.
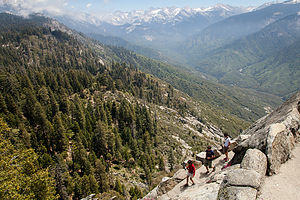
(102, 6)
(127, 5)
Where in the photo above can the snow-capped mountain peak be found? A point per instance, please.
(169, 14)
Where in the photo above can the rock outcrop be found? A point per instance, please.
(260, 150)
(274, 135)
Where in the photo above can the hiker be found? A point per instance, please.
(210, 155)
(226, 146)
(191, 173)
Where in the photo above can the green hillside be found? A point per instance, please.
(257, 61)
(89, 125)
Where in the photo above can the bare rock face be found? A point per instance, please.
(256, 160)
(237, 193)
(274, 135)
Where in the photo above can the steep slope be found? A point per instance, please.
(245, 104)
(88, 120)
(235, 27)
(257, 60)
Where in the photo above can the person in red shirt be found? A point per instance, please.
(191, 173)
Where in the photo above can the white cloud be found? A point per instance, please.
(88, 5)
(56, 7)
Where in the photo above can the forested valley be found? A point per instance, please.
(73, 125)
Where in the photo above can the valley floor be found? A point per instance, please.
(286, 184)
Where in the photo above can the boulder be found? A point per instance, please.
(242, 177)
(280, 144)
(256, 160)
(237, 193)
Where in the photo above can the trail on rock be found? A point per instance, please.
(285, 184)
(202, 190)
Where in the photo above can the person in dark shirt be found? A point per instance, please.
(210, 155)
(191, 172)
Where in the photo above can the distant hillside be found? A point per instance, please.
(253, 61)
(235, 27)
(119, 42)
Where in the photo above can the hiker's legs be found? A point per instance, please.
(206, 164)
(226, 155)
(192, 180)
(207, 170)
(187, 180)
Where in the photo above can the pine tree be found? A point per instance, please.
(99, 139)
(3, 107)
(59, 139)
(101, 176)
(118, 186)
(161, 163)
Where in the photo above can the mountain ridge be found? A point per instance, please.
(247, 53)
(235, 27)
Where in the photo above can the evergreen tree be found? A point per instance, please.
(118, 186)
(101, 176)
(3, 107)
(59, 139)
(99, 139)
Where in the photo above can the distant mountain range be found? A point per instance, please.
(155, 27)
(220, 41)
(237, 26)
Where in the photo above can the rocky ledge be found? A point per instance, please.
(260, 151)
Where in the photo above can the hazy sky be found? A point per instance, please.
(97, 6)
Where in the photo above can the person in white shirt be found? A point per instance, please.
(226, 146)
